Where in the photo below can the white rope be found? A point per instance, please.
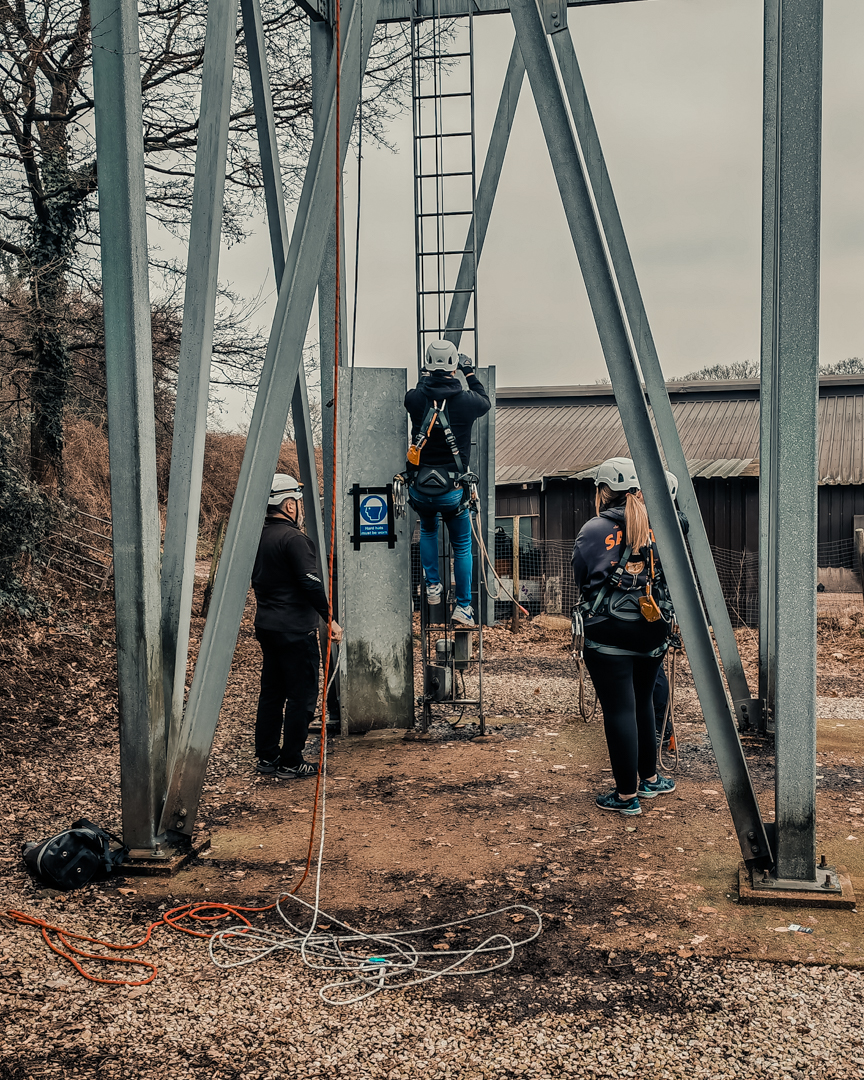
(502, 588)
(375, 962)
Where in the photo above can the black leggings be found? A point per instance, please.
(625, 687)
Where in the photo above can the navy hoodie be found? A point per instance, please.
(463, 408)
(597, 551)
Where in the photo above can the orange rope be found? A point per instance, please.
(171, 918)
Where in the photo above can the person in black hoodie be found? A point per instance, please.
(616, 569)
(438, 405)
(290, 598)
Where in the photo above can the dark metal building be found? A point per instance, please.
(547, 436)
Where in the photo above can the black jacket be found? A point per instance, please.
(598, 548)
(288, 589)
(463, 408)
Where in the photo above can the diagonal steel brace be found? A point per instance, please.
(278, 378)
(574, 184)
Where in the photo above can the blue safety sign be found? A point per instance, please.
(373, 516)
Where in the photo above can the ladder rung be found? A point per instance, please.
(444, 329)
(435, 97)
(430, 175)
(440, 56)
(447, 213)
(448, 135)
(447, 251)
(443, 292)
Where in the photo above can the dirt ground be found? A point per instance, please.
(419, 832)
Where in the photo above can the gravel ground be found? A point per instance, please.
(580, 1011)
(834, 708)
(717, 1020)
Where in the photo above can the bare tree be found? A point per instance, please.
(740, 369)
(48, 176)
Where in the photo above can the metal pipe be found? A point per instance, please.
(278, 377)
(131, 420)
(588, 239)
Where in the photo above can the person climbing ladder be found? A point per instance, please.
(442, 416)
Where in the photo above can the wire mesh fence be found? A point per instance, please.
(80, 550)
(546, 583)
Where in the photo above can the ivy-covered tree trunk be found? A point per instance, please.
(55, 232)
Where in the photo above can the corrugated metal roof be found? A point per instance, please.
(720, 436)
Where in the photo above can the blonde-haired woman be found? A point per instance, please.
(627, 621)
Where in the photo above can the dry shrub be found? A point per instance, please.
(87, 475)
(85, 464)
(223, 455)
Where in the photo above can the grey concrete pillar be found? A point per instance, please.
(376, 657)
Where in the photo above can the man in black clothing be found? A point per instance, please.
(290, 599)
(438, 404)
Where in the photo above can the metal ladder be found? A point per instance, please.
(445, 187)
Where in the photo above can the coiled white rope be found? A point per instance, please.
(369, 962)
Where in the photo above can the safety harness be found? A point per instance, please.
(434, 480)
(626, 605)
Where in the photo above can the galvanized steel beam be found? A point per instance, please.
(486, 191)
(196, 349)
(321, 43)
(268, 148)
(574, 187)
(768, 359)
(655, 383)
(278, 378)
(795, 393)
(131, 422)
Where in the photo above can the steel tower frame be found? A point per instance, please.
(164, 748)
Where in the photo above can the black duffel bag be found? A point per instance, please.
(74, 857)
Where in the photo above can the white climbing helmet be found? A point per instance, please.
(619, 474)
(441, 356)
(284, 487)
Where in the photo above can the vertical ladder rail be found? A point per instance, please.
(445, 183)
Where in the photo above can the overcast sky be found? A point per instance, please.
(676, 90)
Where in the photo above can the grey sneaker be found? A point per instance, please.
(434, 593)
(463, 615)
(297, 772)
(266, 768)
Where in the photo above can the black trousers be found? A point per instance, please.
(625, 688)
(289, 692)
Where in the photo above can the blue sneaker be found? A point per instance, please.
(610, 801)
(661, 786)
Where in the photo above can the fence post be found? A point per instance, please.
(514, 625)
(859, 551)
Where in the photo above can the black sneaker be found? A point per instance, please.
(266, 768)
(297, 772)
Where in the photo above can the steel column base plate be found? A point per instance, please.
(798, 897)
(171, 858)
